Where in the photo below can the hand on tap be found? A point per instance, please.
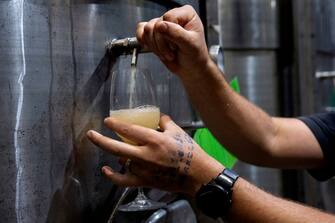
(177, 38)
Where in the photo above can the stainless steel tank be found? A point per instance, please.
(249, 34)
(54, 87)
(249, 23)
(324, 14)
(257, 74)
(325, 25)
(324, 56)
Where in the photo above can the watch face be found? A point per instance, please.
(213, 200)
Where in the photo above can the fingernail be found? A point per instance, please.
(93, 134)
(90, 133)
(109, 120)
(106, 169)
(169, 56)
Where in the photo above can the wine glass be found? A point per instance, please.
(133, 100)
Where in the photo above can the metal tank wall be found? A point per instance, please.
(324, 59)
(54, 86)
(249, 35)
(249, 24)
(324, 12)
(313, 26)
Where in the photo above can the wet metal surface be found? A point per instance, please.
(249, 34)
(54, 86)
(257, 75)
(249, 24)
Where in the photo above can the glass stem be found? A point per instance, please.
(141, 193)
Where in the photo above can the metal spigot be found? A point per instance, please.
(216, 53)
(134, 58)
(124, 46)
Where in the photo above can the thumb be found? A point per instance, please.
(174, 33)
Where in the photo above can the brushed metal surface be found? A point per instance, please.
(324, 11)
(257, 74)
(249, 24)
(53, 88)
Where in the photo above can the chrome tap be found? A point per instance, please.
(124, 46)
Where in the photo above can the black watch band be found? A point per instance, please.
(215, 198)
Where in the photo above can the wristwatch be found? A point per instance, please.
(215, 198)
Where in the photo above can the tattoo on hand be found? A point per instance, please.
(180, 160)
(184, 157)
(181, 154)
(188, 138)
(178, 138)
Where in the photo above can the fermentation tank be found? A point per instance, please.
(324, 93)
(54, 86)
(250, 38)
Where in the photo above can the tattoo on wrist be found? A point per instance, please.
(185, 147)
(180, 161)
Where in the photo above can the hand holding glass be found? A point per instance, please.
(133, 100)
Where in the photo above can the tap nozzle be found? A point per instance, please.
(124, 46)
(134, 57)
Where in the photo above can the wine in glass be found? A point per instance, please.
(133, 100)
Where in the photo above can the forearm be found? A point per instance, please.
(251, 204)
(245, 129)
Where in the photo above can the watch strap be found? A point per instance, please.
(227, 178)
(215, 198)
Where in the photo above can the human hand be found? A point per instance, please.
(177, 38)
(168, 160)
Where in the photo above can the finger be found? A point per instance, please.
(174, 32)
(166, 123)
(140, 32)
(113, 146)
(163, 47)
(149, 34)
(135, 133)
(181, 15)
(126, 179)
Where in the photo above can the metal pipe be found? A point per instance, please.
(192, 126)
(124, 46)
(134, 58)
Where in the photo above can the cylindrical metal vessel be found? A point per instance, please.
(324, 14)
(324, 11)
(249, 35)
(249, 23)
(257, 74)
(53, 88)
